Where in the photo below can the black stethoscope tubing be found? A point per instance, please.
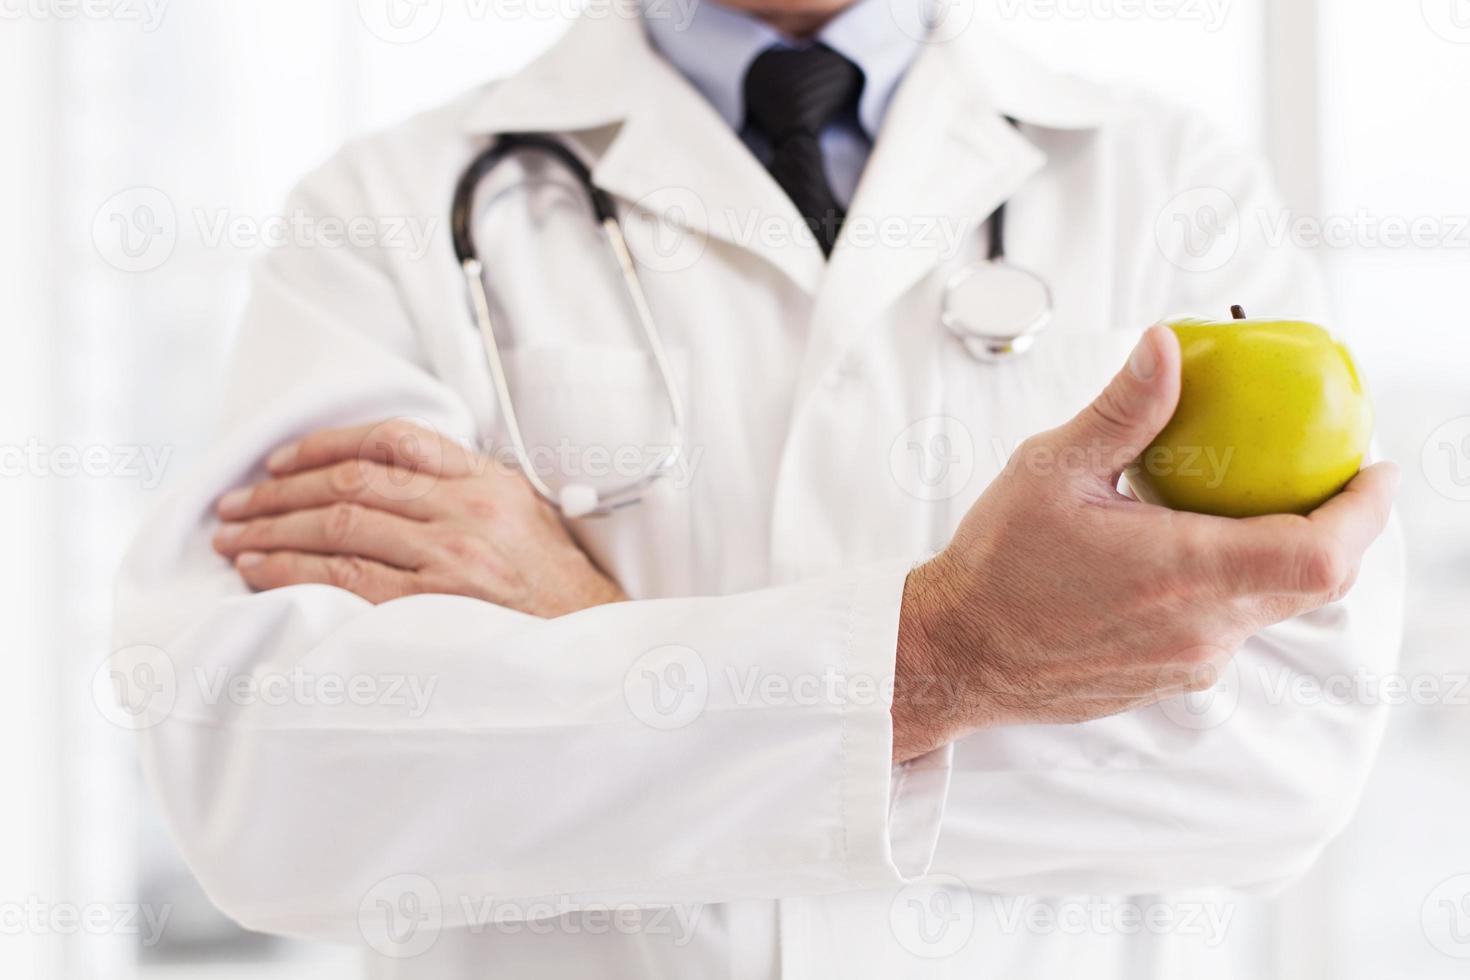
(462, 218)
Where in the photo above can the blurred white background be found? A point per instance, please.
(221, 106)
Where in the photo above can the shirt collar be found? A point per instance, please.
(604, 71)
(715, 46)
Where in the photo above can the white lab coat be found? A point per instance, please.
(541, 785)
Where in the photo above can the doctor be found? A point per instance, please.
(889, 681)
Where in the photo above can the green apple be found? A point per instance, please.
(1272, 419)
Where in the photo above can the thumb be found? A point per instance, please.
(1135, 406)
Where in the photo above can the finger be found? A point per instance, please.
(372, 580)
(1358, 515)
(396, 442)
(341, 529)
(1316, 555)
(354, 481)
(1135, 406)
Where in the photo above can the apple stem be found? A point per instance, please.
(1238, 312)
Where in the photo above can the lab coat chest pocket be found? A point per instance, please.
(600, 416)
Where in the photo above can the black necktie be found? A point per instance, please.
(790, 97)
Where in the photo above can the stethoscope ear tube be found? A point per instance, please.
(474, 275)
(463, 210)
(574, 500)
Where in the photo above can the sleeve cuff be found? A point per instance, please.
(919, 790)
(894, 813)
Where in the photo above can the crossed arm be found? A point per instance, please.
(1059, 599)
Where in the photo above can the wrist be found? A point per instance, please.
(578, 584)
(929, 682)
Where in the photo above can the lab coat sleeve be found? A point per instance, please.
(310, 750)
(1242, 786)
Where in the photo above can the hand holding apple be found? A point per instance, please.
(1061, 600)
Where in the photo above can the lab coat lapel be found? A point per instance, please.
(944, 161)
(677, 161)
(671, 158)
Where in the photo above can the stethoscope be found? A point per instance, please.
(994, 309)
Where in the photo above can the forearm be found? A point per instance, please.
(1240, 787)
(598, 755)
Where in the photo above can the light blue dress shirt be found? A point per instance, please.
(715, 46)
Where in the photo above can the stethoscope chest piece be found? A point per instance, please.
(996, 309)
